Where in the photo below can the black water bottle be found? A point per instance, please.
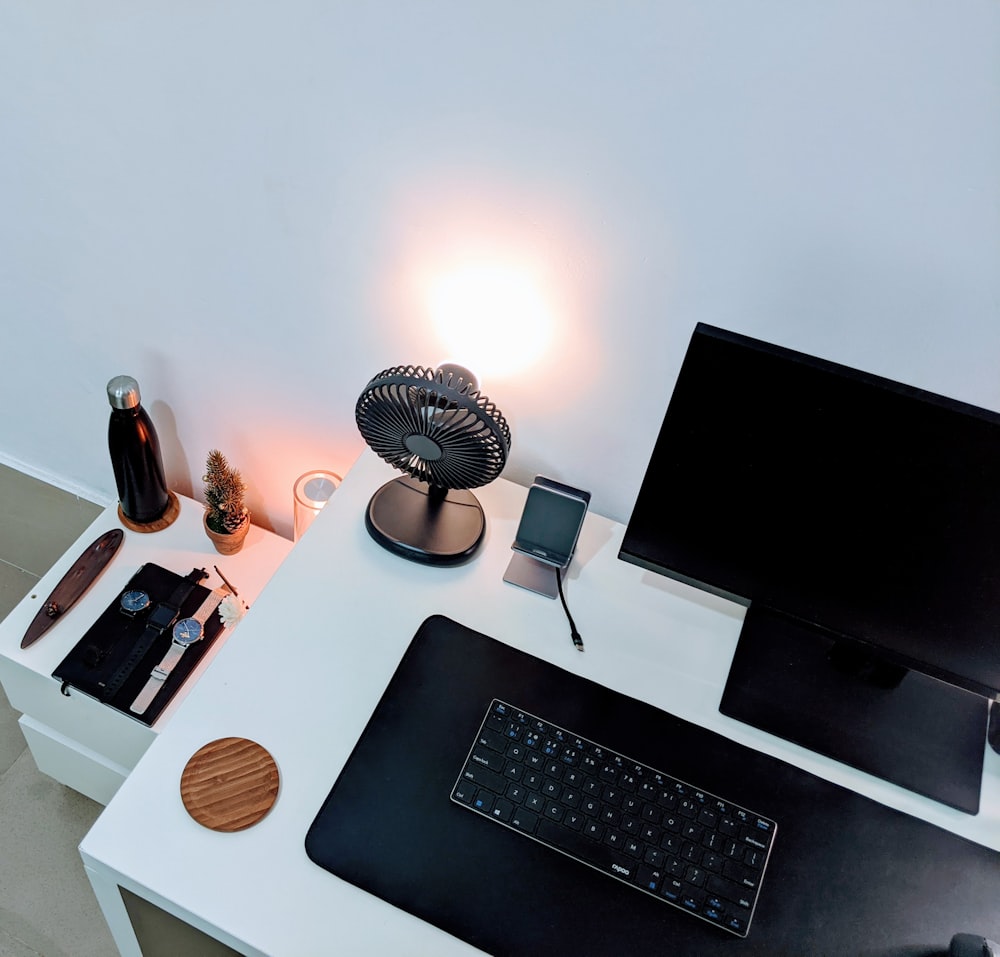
(135, 454)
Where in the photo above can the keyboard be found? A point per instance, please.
(663, 837)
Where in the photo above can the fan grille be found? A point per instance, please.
(432, 424)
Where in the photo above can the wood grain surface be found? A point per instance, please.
(167, 518)
(229, 784)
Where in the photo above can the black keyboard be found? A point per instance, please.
(662, 836)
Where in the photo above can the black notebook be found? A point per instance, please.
(106, 647)
(846, 875)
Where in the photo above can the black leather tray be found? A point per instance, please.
(847, 876)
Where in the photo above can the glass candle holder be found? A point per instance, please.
(312, 491)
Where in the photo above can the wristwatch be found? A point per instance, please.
(187, 632)
(161, 617)
(134, 601)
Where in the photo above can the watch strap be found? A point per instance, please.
(160, 674)
(205, 609)
(151, 632)
(175, 652)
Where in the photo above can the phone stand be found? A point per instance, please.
(550, 525)
(536, 576)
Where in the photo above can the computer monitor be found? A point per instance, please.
(859, 521)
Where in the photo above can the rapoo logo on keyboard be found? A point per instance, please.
(618, 869)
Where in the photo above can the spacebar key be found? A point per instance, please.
(583, 848)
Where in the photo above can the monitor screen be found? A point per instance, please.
(845, 501)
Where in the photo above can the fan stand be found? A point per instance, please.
(426, 523)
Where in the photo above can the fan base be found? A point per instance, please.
(410, 519)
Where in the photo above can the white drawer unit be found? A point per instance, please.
(70, 762)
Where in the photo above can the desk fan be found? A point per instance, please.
(434, 425)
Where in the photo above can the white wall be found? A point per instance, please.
(241, 203)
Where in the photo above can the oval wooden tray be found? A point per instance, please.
(229, 784)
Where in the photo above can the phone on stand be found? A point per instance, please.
(546, 535)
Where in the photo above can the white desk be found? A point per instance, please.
(76, 739)
(302, 675)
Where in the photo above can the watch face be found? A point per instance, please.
(161, 616)
(134, 601)
(187, 631)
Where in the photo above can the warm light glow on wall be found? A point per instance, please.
(504, 279)
(491, 316)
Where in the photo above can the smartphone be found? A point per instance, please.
(551, 522)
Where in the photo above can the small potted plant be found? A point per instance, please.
(227, 518)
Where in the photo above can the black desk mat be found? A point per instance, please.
(847, 876)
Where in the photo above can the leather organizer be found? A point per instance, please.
(105, 649)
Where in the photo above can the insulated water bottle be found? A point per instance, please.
(135, 454)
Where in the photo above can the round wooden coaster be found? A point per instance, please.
(167, 518)
(229, 784)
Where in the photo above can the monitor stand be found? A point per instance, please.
(835, 697)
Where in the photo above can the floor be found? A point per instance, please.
(47, 908)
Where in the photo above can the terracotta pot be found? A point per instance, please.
(228, 543)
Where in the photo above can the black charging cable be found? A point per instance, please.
(574, 634)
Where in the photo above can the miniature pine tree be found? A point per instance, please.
(224, 489)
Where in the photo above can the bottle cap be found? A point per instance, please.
(123, 392)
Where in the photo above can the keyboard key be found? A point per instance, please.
(614, 839)
(756, 839)
(608, 773)
(513, 770)
(571, 798)
(483, 801)
(515, 792)
(649, 878)
(745, 877)
(493, 740)
(502, 809)
(493, 760)
(476, 774)
(707, 817)
(524, 820)
(712, 862)
(655, 856)
(631, 825)
(754, 858)
(695, 876)
(554, 812)
(516, 751)
(464, 791)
